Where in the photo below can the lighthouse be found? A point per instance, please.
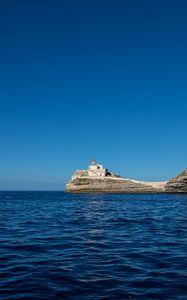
(95, 169)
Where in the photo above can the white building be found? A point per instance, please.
(95, 169)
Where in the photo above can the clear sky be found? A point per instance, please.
(81, 80)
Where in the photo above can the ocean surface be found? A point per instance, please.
(55, 245)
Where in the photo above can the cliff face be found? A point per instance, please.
(177, 184)
(112, 185)
(117, 184)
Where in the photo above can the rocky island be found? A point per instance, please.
(97, 179)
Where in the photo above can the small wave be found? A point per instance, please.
(85, 247)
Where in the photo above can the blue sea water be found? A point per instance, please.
(55, 245)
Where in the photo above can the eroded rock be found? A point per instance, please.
(177, 184)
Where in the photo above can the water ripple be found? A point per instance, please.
(65, 246)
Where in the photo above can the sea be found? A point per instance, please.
(55, 245)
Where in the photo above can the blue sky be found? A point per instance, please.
(91, 79)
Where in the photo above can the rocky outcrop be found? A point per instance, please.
(177, 184)
(112, 184)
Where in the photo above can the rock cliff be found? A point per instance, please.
(112, 185)
(177, 184)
